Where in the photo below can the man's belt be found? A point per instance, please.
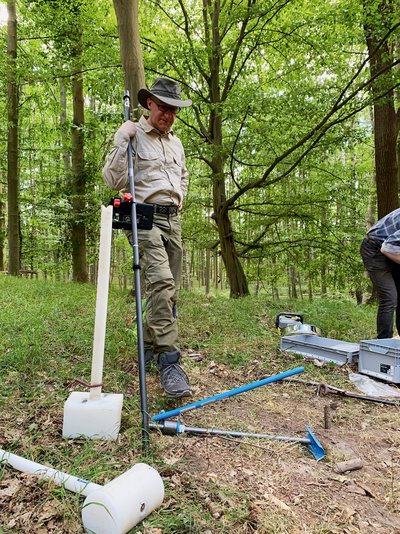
(165, 210)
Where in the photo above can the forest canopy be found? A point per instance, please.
(290, 99)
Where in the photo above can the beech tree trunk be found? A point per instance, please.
(14, 259)
(234, 269)
(386, 169)
(385, 121)
(127, 12)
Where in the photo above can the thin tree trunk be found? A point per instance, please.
(273, 279)
(14, 260)
(2, 226)
(78, 237)
(186, 271)
(64, 133)
(324, 289)
(65, 165)
(201, 267)
(123, 263)
(300, 286)
(208, 270)
(309, 274)
(293, 285)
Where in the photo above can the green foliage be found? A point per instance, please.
(294, 70)
(282, 69)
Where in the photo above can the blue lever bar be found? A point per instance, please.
(242, 389)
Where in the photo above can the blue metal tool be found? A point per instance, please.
(314, 445)
(226, 394)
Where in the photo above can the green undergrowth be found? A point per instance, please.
(46, 346)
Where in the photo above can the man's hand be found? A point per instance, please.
(391, 255)
(128, 129)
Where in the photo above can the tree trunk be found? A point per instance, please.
(2, 228)
(273, 278)
(127, 12)
(236, 276)
(66, 168)
(208, 270)
(78, 234)
(14, 260)
(386, 171)
(298, 277)
(385, 122)
(234, 270)
(293, 282)
(216, 258)
(309, 287)
(186, 271)
(324, 270)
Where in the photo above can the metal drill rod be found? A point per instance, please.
(171, 428)
(138, 297)
(174, 427)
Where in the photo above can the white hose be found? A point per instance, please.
(70, 482)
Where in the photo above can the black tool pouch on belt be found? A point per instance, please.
(122, 210)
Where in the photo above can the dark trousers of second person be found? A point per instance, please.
(385, 276)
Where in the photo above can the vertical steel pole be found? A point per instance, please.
(138, 295)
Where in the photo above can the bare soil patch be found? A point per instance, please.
(237, 485)
(280, 486)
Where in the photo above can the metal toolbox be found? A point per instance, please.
(380, 358)
(322, 348)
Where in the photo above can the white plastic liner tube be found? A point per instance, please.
(103, 279)
(71, 483)
(111, 509)
(124, 502)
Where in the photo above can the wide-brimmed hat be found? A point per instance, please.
(165, 90)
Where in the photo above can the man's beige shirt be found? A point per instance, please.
(159, 166)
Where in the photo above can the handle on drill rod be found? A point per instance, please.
(138, 296)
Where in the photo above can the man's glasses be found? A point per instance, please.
(166, 109)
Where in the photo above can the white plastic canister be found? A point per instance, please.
(124, 502)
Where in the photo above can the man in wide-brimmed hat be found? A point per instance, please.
(160, 179)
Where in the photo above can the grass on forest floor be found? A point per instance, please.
(46, 345)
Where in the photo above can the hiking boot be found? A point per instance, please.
(148, 358)
(173, 378)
